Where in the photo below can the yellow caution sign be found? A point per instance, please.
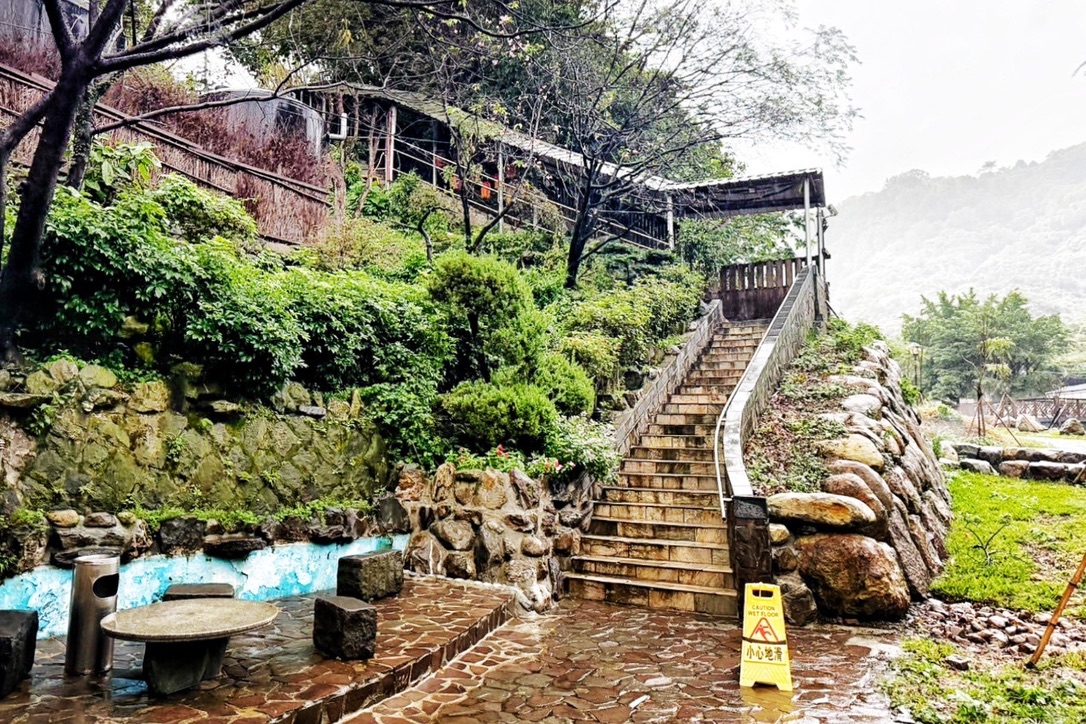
(765, 646)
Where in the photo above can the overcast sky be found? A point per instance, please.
(947, 85)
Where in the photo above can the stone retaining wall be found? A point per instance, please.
(497, 527)
(1022, 462)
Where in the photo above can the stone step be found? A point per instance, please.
(671, 454)
(688, 532)
(632, 592)
(687, 574)
(674, 408)
(714, 398)
(688, 388)
(685, 442)
(656, 513)
(707, 430)
(600, 546)
(733, 345)
(714, 363)
(665, 419)
(669, 480)
(713, 377)
(663, 495)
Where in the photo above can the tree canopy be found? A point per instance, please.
(975, 347)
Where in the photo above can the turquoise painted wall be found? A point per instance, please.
(284, 570)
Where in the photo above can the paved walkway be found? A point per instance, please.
(592, 661)
(274, 673)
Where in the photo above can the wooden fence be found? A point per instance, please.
(287, 211)
(756, 290)
(1048, 410)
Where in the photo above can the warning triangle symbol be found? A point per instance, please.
(764, 632)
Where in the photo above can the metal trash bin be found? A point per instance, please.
(95, 579)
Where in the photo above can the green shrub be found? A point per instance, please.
(583, 444)
(480, 416)
(404, 414)
(365, 244)
(364, 331)
(520, 343)
(112, 169)
(197, 214)
(672, 300)
(566, 383)
(596, 353)
(241, 326)
(482, 296)
(619, 315)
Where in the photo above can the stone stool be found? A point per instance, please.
(18, 640)
(344, 627)
(184, 591)
(370, 576)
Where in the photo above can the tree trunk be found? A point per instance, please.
(84, 136)
(577, 243)
(22, 278)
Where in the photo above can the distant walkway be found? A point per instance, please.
(593, 661)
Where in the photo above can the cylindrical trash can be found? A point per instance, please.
(94, 596)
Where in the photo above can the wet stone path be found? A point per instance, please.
(273, 674)
(591, 661)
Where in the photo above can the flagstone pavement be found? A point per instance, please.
(590, 661)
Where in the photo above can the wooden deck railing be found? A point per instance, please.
(756, 290)
(287, 211)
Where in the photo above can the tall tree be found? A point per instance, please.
(985, 347)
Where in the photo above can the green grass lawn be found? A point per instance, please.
(1042, 541)
(1037, 534)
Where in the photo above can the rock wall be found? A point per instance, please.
(874, 538)
(497, 527)
(1019, 462)
(97, 445)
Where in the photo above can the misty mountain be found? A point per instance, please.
(1022, 227)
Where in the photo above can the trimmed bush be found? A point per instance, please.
(480, 416)
(567, 384)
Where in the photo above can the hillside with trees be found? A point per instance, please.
(1021, 228)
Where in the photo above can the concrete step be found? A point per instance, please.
(714, 554)
(687, 574)
(713, 377)
(648, 594)
(662, 495)
(671, 442)
(671, 454)
(696, 533)
(671, 480)
(665, 419)
(656, 513)
(715, 363)
(714, 398)
(707, 430)
(697, 388)
(685, 408)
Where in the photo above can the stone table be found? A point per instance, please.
(186, 640)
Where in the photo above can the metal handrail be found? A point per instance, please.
(751, 374)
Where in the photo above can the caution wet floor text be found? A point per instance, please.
(765, 645)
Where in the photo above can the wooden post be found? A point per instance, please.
(670, 222)
(807, 217)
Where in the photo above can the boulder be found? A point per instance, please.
(1028, 423)
(568, 543)
(181, 535)
(991, 454)
(1072, 427)
(977, 466)
(853, 447)
(100, 520)
(22, 400)
(456, 534)
(852, 486)
(97, 376)
(872, 479)
(863, 403)
(63, 518)
(490, 548)
(443, 482)
(491, 491)
(412, 484)
(1013, 468)
(344, 628)
(799, 604)
(40, 383)
(526, 488)
(1047, 471)
(233, 546)
(370, 576)
(425, 554)
(150, 397)
(967, 450)
(820, 509)
(948, 453)
(460, 564)
(392, 516)
(853, 575)
(778, 534)
(63, 371)
(534, 546)
(913, 565)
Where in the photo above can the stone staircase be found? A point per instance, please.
(657, 537)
